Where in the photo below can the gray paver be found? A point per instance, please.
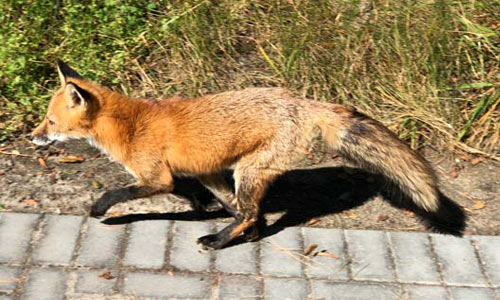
(146, 244)
(332, 241)
(423, 292)
(101, 245)
(96, 297)
(284, 288)
(459, 263)
(9, 277)
(370, 255)
(460, 293)
(354, 291)
(413, 258)
(280, 256)
(164, 285)
(89, 282)
(59, 239)
(186, 253)
(489, 250)
(278, 253)
(15, 228)
(239, 288)
(239, 259)
(45, 284)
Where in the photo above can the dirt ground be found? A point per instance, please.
(336, 195)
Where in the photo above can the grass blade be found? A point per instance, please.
(476, 85)
(480, 109)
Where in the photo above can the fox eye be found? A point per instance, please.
(51, 122)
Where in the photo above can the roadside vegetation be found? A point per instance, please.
(430, 70)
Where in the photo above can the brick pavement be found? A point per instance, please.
(62, 257)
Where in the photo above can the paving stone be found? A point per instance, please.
(15, 228)
(89, 282)
(186, 253)
(59, 239)
(284, 288)
(45, 284)
(101, 244)
(147, 244)
(277, 253)
(422, 292)
(459, 263)
(95, 297)
(9, 277)
(370, 255)
(113, 297)
(460, 293)
(413, 258)
(489, 250)
(239, 259)
(164, 285)
(239, 288)
(332, 241)
(354, 291)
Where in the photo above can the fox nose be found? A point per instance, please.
(41, 140)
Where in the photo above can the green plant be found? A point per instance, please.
(427, 69)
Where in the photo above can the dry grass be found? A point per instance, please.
(427, 69)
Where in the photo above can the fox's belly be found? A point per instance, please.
(206, 159)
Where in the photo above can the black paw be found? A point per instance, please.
(211, 241)
(97, 211)
(252, 234)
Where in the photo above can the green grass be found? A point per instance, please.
(427, 69)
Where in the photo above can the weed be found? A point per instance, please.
(427, 69)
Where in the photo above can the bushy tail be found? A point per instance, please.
(371, 145)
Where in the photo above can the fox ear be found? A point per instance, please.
(66, 72)
(77, 95)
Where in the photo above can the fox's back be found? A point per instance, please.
(218, 129)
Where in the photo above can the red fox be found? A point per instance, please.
(260, 132)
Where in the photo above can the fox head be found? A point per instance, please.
(70, 110)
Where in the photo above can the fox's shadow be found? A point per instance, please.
(310, 193)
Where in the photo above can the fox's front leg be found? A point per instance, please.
(144, 188)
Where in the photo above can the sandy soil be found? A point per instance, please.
(335, 195)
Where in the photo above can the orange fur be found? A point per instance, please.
(261, 132)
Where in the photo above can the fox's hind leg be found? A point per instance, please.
(251, 183)
(217, 184)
